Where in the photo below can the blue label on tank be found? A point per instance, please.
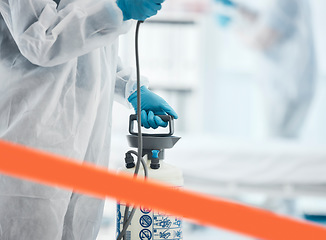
(178, 234)
(145, 234)
(118, 219)
(145, 221)
(167, 227)
(154, 225)
(145, 210)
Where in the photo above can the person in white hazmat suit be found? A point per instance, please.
(59, 73)
(282, 32)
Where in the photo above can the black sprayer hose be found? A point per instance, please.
(127, 218)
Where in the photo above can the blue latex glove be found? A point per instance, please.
(223, 20)
(152, 105)
(139, 9)
(226, 3)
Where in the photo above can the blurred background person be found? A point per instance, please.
(282, 34)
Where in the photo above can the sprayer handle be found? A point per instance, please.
(165, 118)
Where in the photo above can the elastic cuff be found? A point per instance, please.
(132, 87)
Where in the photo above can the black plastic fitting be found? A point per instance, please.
(155, 164)
(129, 160)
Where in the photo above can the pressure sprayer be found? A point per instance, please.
(146, 223)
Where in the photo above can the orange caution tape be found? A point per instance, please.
(85, 178)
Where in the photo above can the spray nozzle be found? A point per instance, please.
(155, 161)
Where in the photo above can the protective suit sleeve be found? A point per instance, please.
(126, 84)
(48, 36)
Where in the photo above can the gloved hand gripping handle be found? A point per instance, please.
(165, 118)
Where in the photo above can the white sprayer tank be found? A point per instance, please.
(146, 223)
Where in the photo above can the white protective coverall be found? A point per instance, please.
(284, 35)
(59, 73)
